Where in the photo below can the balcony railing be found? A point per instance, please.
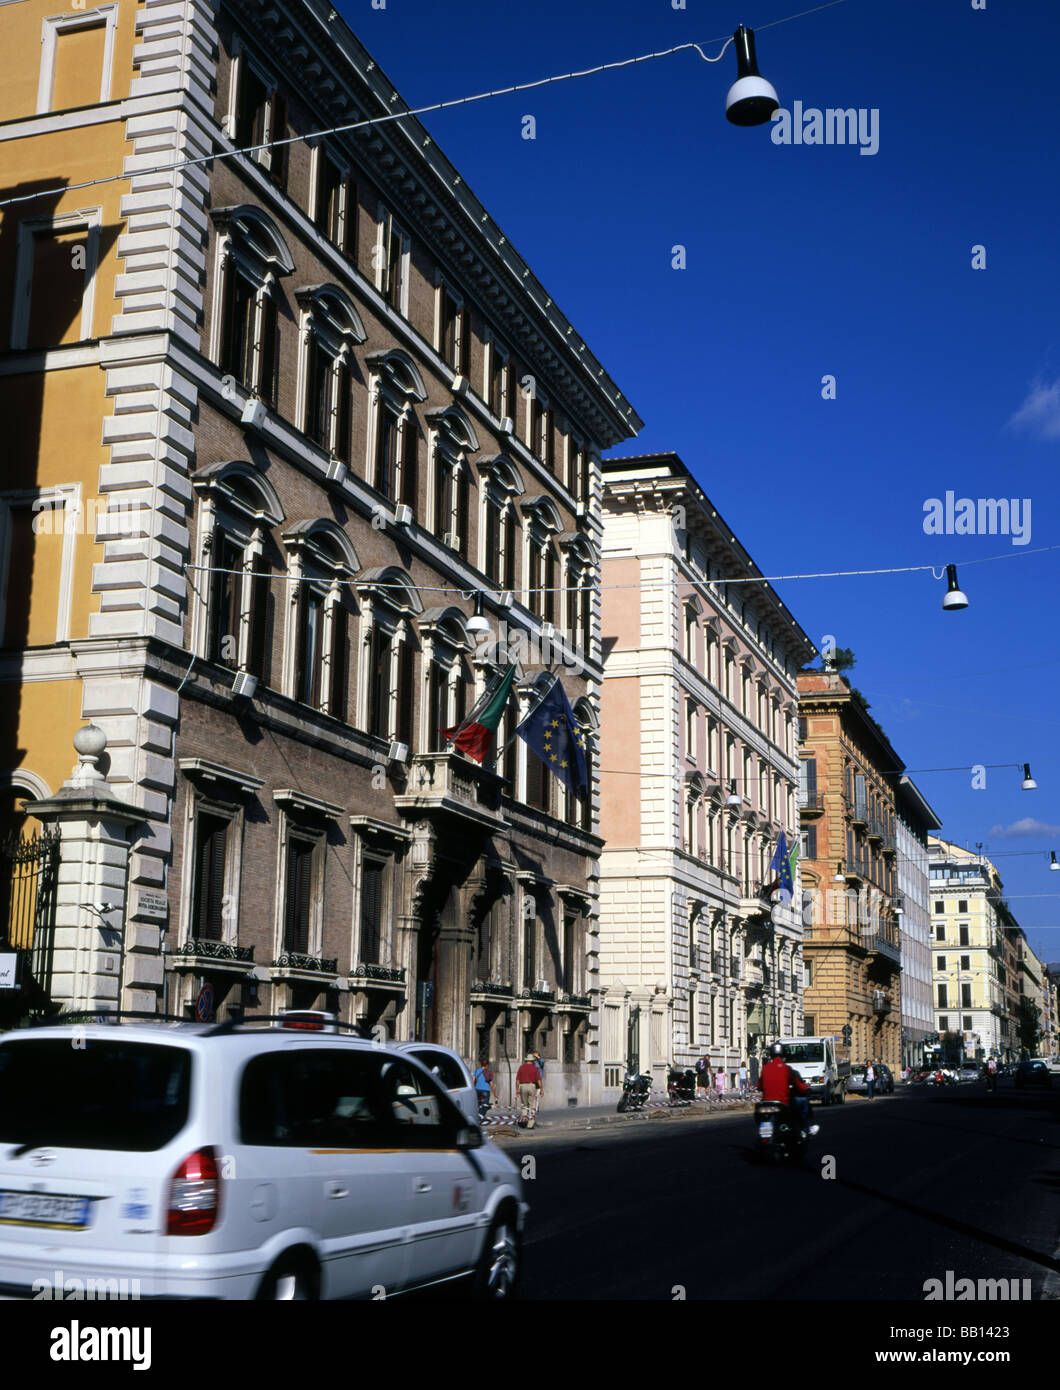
(491, 989)
(860, 814)
(447, 782)
(314, 965)
(880, 1003)
(811, 803)
(539, 996)
(882, 946)
(206, 949)
(379, 974)
(575, 1001)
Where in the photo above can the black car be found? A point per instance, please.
(884, 1079)
(1033, 1072)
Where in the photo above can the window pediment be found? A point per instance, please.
(392, 587)
(543, 510)
(454, 429)
(332, 312)
(502, 474)
(256, 235)
(325, 543)
(398, 373)
(242, 488)
(447, 626)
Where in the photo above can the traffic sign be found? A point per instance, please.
(204, 1004)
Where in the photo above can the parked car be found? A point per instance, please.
(969, 1071)
(1034, 1072)
(243, 1160)
(450, 1069)
(857, 1085)
(884, 1079)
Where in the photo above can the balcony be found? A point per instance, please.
(574, 1004)
(490, 992)
(859, 815)
(390, 978)
(538, 996)
(296, 962)
(881, 1004)
(811, 803)
(447, 784)
(196, 951)
(755, 902)
(879, 945)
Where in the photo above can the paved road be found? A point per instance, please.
(923, 1183)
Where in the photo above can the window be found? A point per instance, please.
(36, 567)
(940, 933)
(77, 58)
(388, 654)
(802, 729)
(299, 895)
(252, 257)
(335, 203)
(962, 928)
(208, 888)
(392, 260)
(808, 846)
(691, 720)
(260, 119)
(942, 1000)
(944, 1023)
(321, 652)
(807, 977)
(454, 331)
(966, 962)
(393, 447)
(54, 281)
(342, 1098)
(940, 963)
(940, 907)
(538, 782)
(530, 950)
(962, 905)
(372, 885)
(330, 326)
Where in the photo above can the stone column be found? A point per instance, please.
(90, 900)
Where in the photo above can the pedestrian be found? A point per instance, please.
(743, 1079)
(870, 1080)
(719, 1082)
(485, 1087)
(702, 1073)
(540, 1065)
(991, 1074)
(528, 1084)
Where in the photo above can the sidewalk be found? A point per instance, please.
(584, 1119)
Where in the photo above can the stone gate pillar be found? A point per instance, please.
(91, 888)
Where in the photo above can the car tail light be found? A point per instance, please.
(194, 1195)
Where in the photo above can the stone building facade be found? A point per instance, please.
(318, 403)
(849, 865)
(698, 775)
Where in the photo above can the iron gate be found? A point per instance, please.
(28, 872)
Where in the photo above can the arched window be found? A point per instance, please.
(320, 616)
(582, 568)
(580, 809)
(390, 603)
(452, 441)
(393, 442)
(330, 327)
(499, 521)
(234, 615)
(540, 568)
(446, 674)
(252, 257)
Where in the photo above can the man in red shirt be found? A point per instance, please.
(528, 1083)
(782, 1084)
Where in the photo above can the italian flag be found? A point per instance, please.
(475, 735)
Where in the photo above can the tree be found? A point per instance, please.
(1028, 1022)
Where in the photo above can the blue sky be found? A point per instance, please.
(804, 261)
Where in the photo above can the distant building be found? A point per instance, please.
(698, 775)
(914, 820)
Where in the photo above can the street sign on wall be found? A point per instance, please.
(8, 970)
(204, 1004)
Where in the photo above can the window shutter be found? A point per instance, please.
(278, 131)
(207, 917)
(548, 608)
(405, 689)
(261, 611)
(371, 911)
(343, 411)
(463, 496)
(350, 219)
(299, 882)
(340, 661)
(267, 356)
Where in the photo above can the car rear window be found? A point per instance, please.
(93, 1093)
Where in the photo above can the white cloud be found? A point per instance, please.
(1040, 412)
(1026, 829)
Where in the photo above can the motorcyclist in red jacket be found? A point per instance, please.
(781, 1083)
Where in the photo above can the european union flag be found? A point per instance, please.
(781, 864)
(556, 739)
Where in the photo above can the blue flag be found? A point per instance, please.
(556, 739)
(780, 864)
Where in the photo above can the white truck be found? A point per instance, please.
(816, 1062)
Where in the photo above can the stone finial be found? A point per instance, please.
(90, 742)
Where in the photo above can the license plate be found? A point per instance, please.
(42, 1209)
(765, 1129)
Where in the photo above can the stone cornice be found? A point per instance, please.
(321, 56)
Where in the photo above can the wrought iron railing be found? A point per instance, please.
(576, 1001)
(540, 996)
(28, 874)
(295, 960)
(206, 949)
(389, 974)
(811, 802)
(492, 988)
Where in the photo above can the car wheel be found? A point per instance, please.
(291, 1279)
(498, 1270)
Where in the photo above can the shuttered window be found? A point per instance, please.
(379, 684)
(299, 895)
(410, 465)
(237, 325)
(340, 662)
(227, 556)
(371, 911)
(405, 689)
(310, 647)
(209, 887)
(262, 619)
(463, 525)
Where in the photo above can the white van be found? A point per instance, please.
(815, 1061)
(243, 1161)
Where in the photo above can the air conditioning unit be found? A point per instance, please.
(543, 986)
(398, 752)
(507, 425)
(402, 515)
(460, 385)
(244, 685)
(582, 510)
(451, 539)
(254, 413)
(548, 630)
(337, 471)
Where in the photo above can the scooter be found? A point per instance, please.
(780, 1137)
(635, 1092)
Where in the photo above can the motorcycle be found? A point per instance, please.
(780, 1136)
(635, 1092)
